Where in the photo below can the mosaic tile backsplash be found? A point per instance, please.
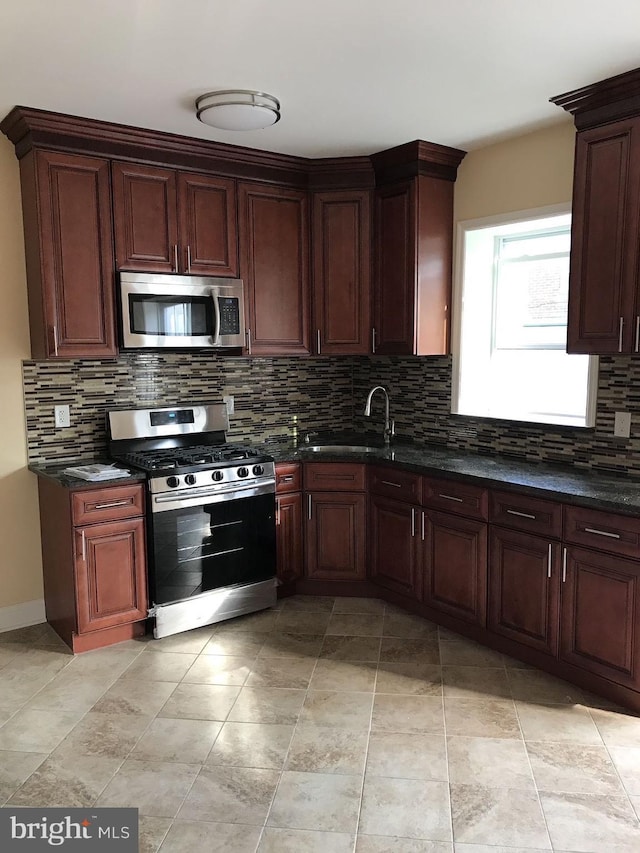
(283, 398)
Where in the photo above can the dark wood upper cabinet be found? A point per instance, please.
(168, 221)
(69, 253)
(413, 238)
(604, 283)
(342, 272)
(274, 264)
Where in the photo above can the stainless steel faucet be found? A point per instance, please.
(389, 426)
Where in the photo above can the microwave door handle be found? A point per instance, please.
(216, 309)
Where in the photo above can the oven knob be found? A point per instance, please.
(190, 479)
(173, 482)
(258, 469)
(217, 476)
(243, 472)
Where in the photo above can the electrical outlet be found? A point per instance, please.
(229, 403)
(62, 417)
(622, 425)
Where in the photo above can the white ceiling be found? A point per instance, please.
(353, 76)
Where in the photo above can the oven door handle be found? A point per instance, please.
(195, 497)
(216, 311)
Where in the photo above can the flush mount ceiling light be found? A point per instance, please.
(238, 109)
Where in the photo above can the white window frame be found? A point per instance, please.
(457, 306)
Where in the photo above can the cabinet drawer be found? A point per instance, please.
(602, 531)
(95, 505)
(526, 513)
(454, 496)
(399, 485)
(288, 477)
(334, 477)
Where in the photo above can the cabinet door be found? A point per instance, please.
(336, 536)
(523, 588)
(604, 240)
(394, 279)
(455, 566)
(71, 289)
(207, 220)
(341, 272)
(289, 537)
(393, 542)
(145, 218)
(274, 263)
(111, 580)
(600, 614)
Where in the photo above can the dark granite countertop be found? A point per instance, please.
(54, 472)
(555, 482)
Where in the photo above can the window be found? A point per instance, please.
(511, 308)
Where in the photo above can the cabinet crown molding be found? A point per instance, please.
(29, 128)
(608, 100)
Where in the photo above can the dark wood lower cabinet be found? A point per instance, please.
(111, 574)
(524, 583)
(455, 565)
(290, 554)
(336, 536)
(600, 615)
(394, 558)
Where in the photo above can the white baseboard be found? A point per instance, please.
(22, 615)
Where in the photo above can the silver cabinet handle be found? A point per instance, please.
(175, 258)
(318, 337)
(277, 513)
(248, 333)
(373, 340)
(413, 521)
(55, 340)
(309, 506)
(620, 328)
(637, 332)
(549, 560)
(84, 547)
(564, 565)
(452, 498)
(521, 514)
(389, 483)
(112, 504)
(422, 532)
(188, 258)
(602, 533)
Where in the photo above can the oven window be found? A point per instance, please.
(171, 316)
(201, 548)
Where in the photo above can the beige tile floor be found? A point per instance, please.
(323, 726)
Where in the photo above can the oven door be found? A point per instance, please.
(211, 546)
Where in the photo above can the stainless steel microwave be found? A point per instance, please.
(180, 311)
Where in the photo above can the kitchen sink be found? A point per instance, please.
(339, 448)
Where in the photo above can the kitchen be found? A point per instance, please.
(528, 171)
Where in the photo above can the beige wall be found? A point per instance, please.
(525, 172)
(20, 561)
(528, 171)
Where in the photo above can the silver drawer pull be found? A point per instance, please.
(452, 498)
(287, 479)
(389, 483)
(521, 514)
(112, 504)
(602, 533)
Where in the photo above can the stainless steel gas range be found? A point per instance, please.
(211, 514)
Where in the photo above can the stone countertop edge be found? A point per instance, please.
(596, 490)
(54, 471)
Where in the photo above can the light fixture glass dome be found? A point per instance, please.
(238, 109)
